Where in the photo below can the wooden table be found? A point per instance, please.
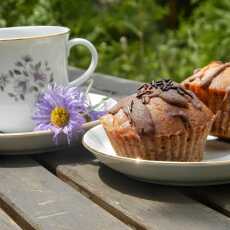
(70, 190)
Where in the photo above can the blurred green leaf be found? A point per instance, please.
(133, 37)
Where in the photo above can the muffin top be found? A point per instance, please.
(161, 108)
(215, 75)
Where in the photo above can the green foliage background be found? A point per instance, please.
(135, 38)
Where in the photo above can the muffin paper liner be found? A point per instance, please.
(214, 100)
(186, 146)
(221, 126)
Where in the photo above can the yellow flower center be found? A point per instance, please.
(59, 117)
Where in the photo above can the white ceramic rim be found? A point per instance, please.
(140, 161)
(51, 31)
(39, 132)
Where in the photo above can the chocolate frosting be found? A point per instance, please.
(207, 75)
(136, 106)
(139, 116)
(183, 116)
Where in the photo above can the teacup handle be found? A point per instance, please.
(87, 74)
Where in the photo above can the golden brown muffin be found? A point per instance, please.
(212, 85)
(161, 121)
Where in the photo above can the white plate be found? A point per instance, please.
(214, 169)
(40, 141)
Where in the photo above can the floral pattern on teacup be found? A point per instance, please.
(25, 78)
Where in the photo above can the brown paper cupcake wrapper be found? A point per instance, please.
(221, 125)
(214, 100)
(187, 146)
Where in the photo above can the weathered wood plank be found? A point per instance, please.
(6, 223)
(143, 205)
(36, 199)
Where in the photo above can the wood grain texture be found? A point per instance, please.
(36, 199)
(145, 206)
(6, 223)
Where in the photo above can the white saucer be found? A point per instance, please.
(40, 141)
(214, 169)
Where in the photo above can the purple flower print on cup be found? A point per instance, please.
(28, 77)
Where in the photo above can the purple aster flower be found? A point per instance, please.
(94, 115)
(60, 110)
(98, 110)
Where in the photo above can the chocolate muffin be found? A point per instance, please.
(212, 85)
(161, 121)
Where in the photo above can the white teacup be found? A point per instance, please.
(31, 57)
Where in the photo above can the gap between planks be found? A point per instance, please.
(13, 213)
(113, 211)
(25, 214)
(6, 222)
(98, 199)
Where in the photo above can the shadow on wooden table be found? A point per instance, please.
(79, 157)
(132, 187)
(74, 155)
(79, 163)
(16, 162)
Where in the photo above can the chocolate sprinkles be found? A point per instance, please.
(167, 90)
